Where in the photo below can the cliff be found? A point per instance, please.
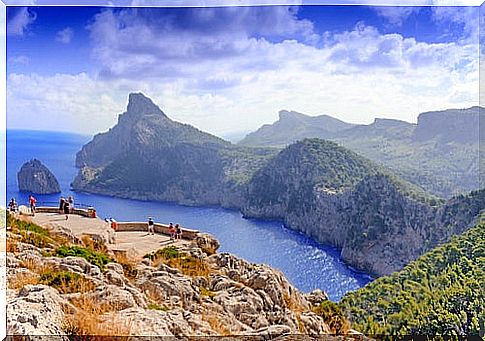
(60, 285)
(339, 198)
(380, 221)
(36, 178)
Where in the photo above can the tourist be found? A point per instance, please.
(71, 202)
(114, 224)
(171, 231)
(32, 202)
(12, 205)
(61, 205)
(178, 231)
(67, 209)
(151, 226)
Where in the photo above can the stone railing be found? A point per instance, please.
(79, 211)
(159, 228)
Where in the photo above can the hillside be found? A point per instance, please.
(441, 293)
(380, 221)
(439, 153)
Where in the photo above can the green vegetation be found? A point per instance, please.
(333, 316)
(94, 257)
(440, 154)
(441, 293)
(186, 263)
(207, 293)
(66, 282)
(169, 252)
(31, 233)
(155, 306)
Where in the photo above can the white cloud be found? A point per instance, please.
(224, 78)
(64, 36)
(19, 20)
(24, 60)
(396, 15)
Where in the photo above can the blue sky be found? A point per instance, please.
(232, 69)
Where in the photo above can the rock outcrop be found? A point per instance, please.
(230, 297)
(36, 178)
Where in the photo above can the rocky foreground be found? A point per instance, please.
(60, 285)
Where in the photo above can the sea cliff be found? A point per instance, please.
(379, 221)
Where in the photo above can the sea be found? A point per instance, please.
(306, 263)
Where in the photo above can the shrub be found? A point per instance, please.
(94, 257)
(155, 306)
(189, 265)
(169, 252)
(66, 282)
(333, 317)
(207, 293)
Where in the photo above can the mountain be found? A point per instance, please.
(439, 153)
(293, 126)
(149, 156)
(379, 221)
(441, 293)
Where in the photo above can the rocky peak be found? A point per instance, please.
(140, 105)
(289, 115)
(36, 178)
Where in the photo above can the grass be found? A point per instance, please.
(207, 293)
(216, 324)
(19, 280)
(87, 320)
(95, 245)
(129, 265)
(33, 234)
(155, 306)
(97, 258)
(169, 252)
(66, 282)
(187, 264)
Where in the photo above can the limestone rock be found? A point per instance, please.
(207, 243)
(36, 178)
(316, 297)
(35, 310)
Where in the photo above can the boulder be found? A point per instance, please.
(316, 297)
(207, 243)
(36, 178)
(35, 310)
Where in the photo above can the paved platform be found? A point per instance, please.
(139, 243)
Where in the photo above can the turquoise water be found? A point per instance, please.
(306, 263)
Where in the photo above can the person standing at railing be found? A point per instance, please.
(61, 205)
(67, 209)
(71, 202)
(12, 205)
(32, 202)
(151, 226)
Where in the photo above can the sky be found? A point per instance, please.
(229, 70)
